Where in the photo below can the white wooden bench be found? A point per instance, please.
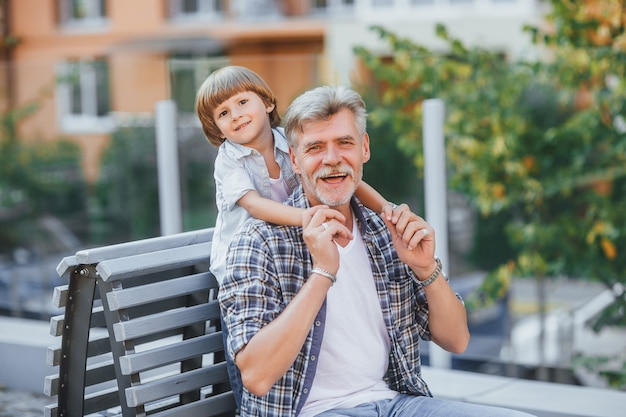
(141, 332)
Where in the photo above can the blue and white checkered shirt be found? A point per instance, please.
(267, 266)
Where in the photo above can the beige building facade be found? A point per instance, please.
(95, 64)
(92, 64)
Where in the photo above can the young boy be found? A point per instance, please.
(253, 172)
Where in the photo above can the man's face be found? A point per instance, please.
(329, 157)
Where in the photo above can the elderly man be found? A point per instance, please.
(325, 319)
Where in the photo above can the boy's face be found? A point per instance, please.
(243, 119)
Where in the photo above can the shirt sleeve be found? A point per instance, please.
(250, 296)
(232, 180)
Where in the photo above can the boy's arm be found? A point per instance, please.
(269, 210)
(373, 200)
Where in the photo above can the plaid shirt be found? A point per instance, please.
(268, 264)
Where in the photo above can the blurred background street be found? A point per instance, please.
(534, 118)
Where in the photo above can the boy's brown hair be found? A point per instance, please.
(221, 85)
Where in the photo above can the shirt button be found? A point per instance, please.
(318, 323)
(305, 391)
(313, 358)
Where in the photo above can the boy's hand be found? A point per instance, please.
(413, 238)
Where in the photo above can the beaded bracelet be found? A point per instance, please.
(325, 273)
(425, 283)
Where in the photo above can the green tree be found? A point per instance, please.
(539, 146)
(36, 178)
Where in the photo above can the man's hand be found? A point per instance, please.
(321, 227)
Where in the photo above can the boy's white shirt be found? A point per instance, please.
(239, 169)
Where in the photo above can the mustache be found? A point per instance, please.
(327, 171)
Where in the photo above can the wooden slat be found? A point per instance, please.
(97, 373)
(210, 406)
(51, 385)
(51, 410)
(166, 320)
(57, 323)
(66, 264)
(148, 263)
(158, 291)
(176, 384)
(175, 352)
(101, 400)
(161, 243)
(97, 346)
(59, 296)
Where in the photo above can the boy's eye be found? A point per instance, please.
(243, 101)
(223, 113)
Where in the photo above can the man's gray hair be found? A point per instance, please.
(322, 103)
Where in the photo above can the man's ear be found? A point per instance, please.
(366, 147)
(294, 162)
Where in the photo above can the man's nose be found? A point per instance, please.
(331, 156)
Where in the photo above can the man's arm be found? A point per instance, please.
(416, 248)
(273, 349)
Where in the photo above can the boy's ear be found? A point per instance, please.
(270, 108)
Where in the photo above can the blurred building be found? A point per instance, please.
(92, 64)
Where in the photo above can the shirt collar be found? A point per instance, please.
(239, 151)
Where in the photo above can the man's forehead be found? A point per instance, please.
(336, 126)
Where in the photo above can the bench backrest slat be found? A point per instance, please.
(162, 355)
(121, 268)
(218, 405)
(136, 247)
(158, 291)
(176, 384)
(168, 320)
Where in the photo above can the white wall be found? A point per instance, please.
(484, 23)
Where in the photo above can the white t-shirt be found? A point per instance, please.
(355, 349)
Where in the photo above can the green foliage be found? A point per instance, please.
(389, 170)
(612, 369)
(540, 144)
(127, 188)
(36, 178)
(127, 194)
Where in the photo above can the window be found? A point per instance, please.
(255, 9)
(333, 6)
(186, 76)
(196, 9)
(82, 13)
(83, 96)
